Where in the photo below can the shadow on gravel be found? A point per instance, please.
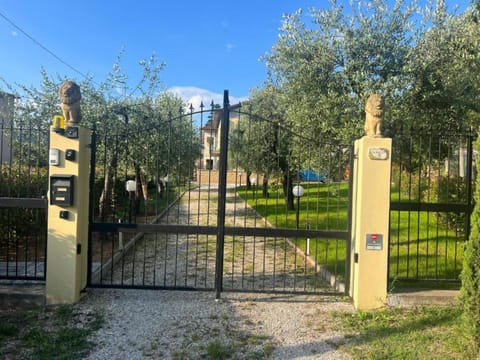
(299, 299)
(193, 325)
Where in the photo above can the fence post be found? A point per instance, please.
(222, 194)
(370, 222)
(66, 275)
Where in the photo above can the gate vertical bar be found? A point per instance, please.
(93, 160)
(348, 252)
(468, 180)
(222, 193)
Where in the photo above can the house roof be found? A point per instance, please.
(217, 116)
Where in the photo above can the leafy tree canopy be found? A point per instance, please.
(423, 61)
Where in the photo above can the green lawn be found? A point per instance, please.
(420, 333)
(421, 245)
(52, 332)
(322, 207)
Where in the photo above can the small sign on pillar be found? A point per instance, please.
(374, 241)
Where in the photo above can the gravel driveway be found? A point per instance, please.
(145, 324)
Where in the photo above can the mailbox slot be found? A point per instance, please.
(61, 190)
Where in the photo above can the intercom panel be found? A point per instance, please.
(61, 190)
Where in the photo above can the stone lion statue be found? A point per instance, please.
(70, 97)
(373, 115)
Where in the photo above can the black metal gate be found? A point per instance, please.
(23, 204)
(433, 176)
(206, 200)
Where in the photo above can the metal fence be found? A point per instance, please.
(164, 233)
(212, 206)
(432, 189)
(23, 204)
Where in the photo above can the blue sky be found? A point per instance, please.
(207, 46)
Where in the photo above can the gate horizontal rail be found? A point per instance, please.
(31, 203)
(430, 207)
(212, 230)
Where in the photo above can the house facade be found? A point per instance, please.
(210, 135)
(7, 103)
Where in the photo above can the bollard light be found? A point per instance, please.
(298, 192)
(131, 187)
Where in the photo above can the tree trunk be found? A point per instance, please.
(265, 186)
(160, 187)
(105, 201)
(249, 183)
(105, 196)
(287, 191)
(138, 191)
(143, 181)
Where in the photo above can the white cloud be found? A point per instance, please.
(230, 47)
(224, 24)
(14, 34)
(192, 95)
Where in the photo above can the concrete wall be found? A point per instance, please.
(6, 118)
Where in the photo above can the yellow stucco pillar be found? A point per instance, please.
(67, 242)
(370, 222)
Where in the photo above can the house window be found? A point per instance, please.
(210, 142)
(209, 164)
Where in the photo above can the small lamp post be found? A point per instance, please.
(253, 181)
(130, 186)
(298, 192)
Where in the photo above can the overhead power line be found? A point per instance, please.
(42, 46)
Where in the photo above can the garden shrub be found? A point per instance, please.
(450, 190)
(22, 182)
(120, 196)
(470, 291)
(410, 186)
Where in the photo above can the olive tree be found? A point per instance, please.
(328, 68)
(127, 120)
(261, 141)
(443, 94)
